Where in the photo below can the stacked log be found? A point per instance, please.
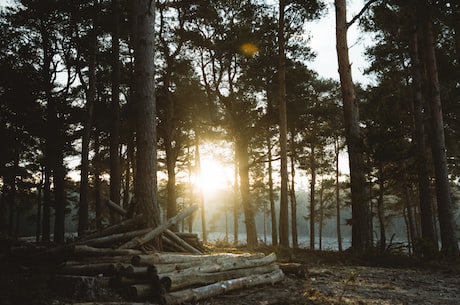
(172, 278)
(119, 258)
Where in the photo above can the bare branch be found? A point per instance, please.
(363, 10)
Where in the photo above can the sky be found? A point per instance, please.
(322, 41)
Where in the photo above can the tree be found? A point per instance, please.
(443, 193)
(284, 217)
(144, 92)
(115, 170)
(361, 231)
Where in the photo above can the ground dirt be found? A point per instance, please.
(325, 277)
(333, 278)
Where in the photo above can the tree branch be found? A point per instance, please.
(363, 10)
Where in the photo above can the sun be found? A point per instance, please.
(215, 176)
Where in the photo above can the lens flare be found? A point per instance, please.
(249, 49)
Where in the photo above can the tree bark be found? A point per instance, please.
(312, 197)
(83, 211)
(426, 212)
(271, 194)
(146, 136)
(115, 165)
(443, 193)
(361, 231)
(248, 208)
(284, 208)
(295, 241)
(337, 196)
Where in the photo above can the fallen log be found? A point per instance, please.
(83, 250)
(172, 246)
(196, 294)
(115, 238)
(219, 265)
(139, 241)
(176, 258)
(181, 280)
(188, 248)
(124, 226)
(88, 269)
(99, 259)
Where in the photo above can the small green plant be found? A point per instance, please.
(351, 279)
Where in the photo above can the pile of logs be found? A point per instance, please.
(167, 278)
(118, 258)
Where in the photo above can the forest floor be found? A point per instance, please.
(340, 278)
(330, 277)
(326, 277)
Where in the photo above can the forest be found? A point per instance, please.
(123, 101)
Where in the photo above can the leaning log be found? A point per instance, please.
(116, 238)
(147, 237)
(172, 236)
(115, 207)
(124, 226)
(196, 294)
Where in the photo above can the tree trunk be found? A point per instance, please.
(443, 193)
(97, 179)
(146, 179)
(83, 211)
(200, 192)
(284, 208)
(337, 196)
(426, 212)
(412, 236)
(295, 240)
(312, 198)
(321, 216)
(381, 210)
(59, 193)
(271, 194)
(361, 231)
(236, 207)
(115, 165)
(248, 208)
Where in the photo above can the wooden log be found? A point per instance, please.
(88, 269)
(115, 207)
(168, 268)
(83, 250)
(120, 281)
(131, 270)
(181, 280)
(200, 293)
(139, 241)
(116, 238)
(171, 235)
(294, 268)
(124, 226)
(184, 235)
(176, 258)
(172, 246)
(99, 259)
(218, 265)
